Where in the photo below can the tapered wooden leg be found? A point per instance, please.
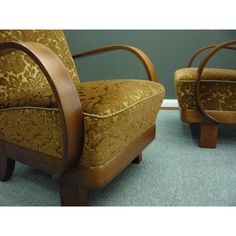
(72, 195)
(7, 167)
(208, 135)
(138, 159)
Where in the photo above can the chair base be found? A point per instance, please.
(75, 183)
(208, 135)
(72, 195)
(208, 131)
(138, 159)
(86, 178)
(7, 167)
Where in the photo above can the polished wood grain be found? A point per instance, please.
(149, 67)
(208, 135)
(7, 167)
(195, 116)
(66, 95)
(72, 195)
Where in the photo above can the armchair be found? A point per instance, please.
(82, 134)
(207, 96)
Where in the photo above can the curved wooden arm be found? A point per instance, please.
(66, 96)
(139, 53)
(199, 74)
(202, 50)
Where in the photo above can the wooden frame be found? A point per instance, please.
(74, 180)
(147, 63)
(67, 98)
(209, 120)
(81, 179)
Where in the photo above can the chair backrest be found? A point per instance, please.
(19, 75)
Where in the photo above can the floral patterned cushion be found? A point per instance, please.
(115, 113)
(218, 89)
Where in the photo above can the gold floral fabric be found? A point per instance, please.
(32, 128)
(115, 113)
(106, 97)
(22, 83)
(218, 89)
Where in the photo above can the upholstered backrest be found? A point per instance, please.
(22, 83)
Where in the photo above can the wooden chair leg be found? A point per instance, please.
(138, 159)
(208, 135)
(72, 195)
(7, 167)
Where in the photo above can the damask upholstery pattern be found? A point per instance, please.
(37, 129)
(115, 112)
(133, 109)
(218, 89)
(21, 81)
(106, 97)
(116, 115)
(106, 137)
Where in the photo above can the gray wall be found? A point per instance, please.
(168, 49)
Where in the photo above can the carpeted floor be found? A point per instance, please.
(174, 172)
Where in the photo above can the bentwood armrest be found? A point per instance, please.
(198, 52)
(139, 53)
(66, 96)
(201, 67)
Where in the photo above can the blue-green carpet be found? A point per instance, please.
(174, 172)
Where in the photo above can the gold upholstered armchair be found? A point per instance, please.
(82, 134)
(207, 96)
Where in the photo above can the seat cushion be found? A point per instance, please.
(218, 89)
(22, 83)
(115, 113)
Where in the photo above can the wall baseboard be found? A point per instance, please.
(170, 104)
